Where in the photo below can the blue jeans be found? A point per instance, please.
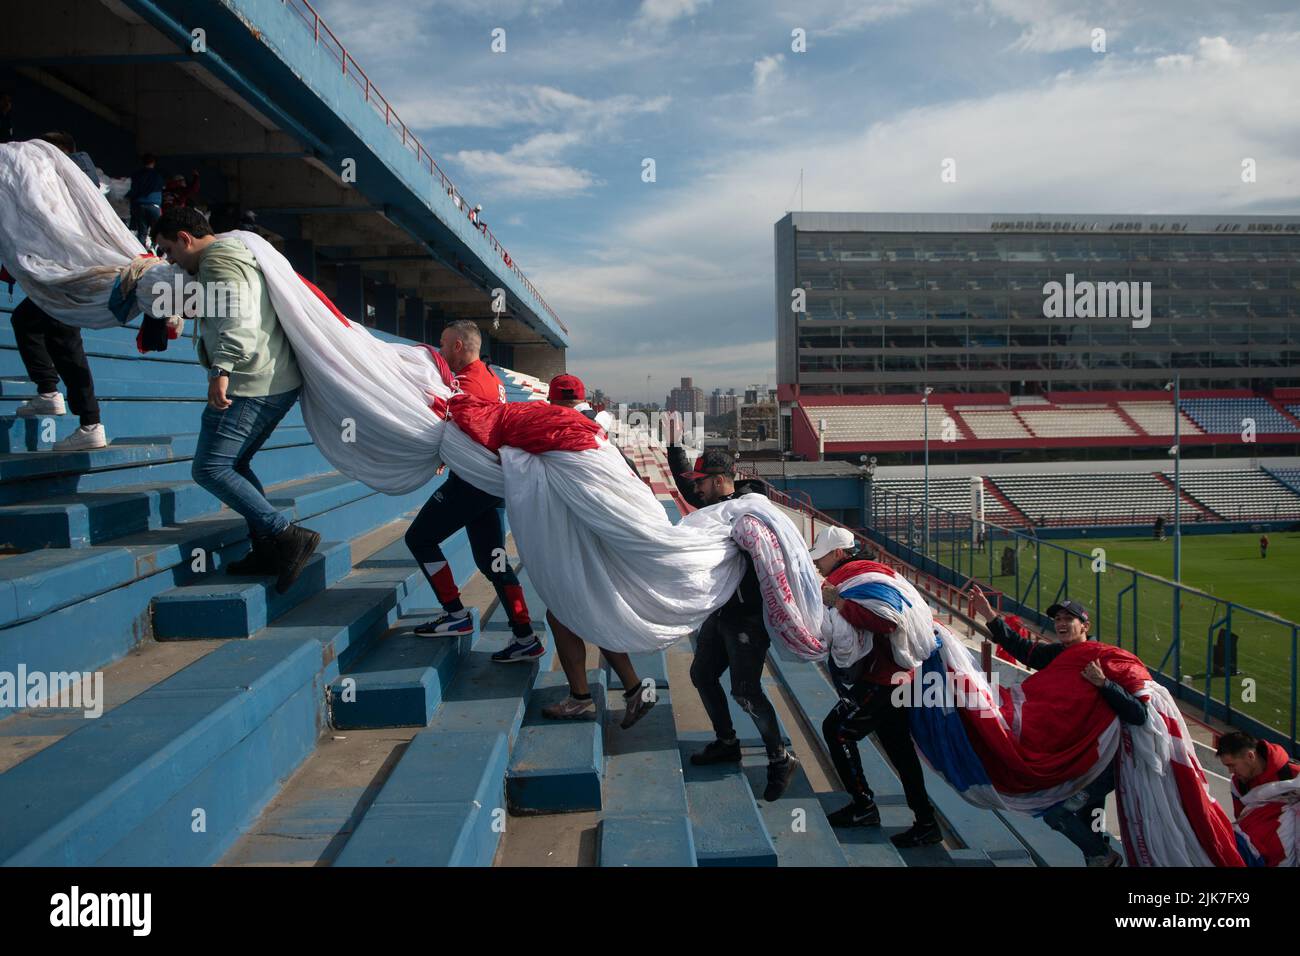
(228, 440)
(1074, 818)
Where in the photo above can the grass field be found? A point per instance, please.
(1136, 610)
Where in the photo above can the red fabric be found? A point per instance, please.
(1209, 821)
(477, 379)
(1062, 718)
(535, 427)
(325, 299)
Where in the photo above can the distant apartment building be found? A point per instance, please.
(687, 398)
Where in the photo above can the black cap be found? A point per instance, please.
(1072, 608)
(715, 461)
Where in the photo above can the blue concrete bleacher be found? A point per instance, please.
(113, 549)
(1225, 415)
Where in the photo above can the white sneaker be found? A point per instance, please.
(46, 403)
(85, 438)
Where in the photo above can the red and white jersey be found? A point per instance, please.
(478, 380)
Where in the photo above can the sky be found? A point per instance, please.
(674, 277)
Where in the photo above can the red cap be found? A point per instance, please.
(566, 387)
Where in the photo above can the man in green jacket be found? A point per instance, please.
(253, 381)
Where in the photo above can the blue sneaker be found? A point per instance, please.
(521, 649)
(447, 624)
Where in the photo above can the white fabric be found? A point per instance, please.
(1156, 825)
(58, 235)
(366, 402)
(597, 543)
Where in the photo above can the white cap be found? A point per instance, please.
(828, 539)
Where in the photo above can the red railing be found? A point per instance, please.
(325, 38)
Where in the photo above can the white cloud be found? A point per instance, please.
(767, 70)
(496, 106)
(661, 13)
(695, 265)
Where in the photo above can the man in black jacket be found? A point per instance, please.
(733, 637)
(1078, 818)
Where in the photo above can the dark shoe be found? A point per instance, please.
(921, 834)
(778, 777)
(856, 815)
(718, 751)
(260, 559)
(636, 706)
(294, 547)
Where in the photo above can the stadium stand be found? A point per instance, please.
(1245, 495)
(1110, 498)
(1156, 418)
(1062, 420)
(1225, 415)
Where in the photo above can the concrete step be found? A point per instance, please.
(128, 451)
(125, 418)
(290, 457)
(98, 629)
(401, 682)
(557, 766)
(444, 804)
(645, 820)
(724, 816)
(241, 607)
(219, 737)
(119, 771)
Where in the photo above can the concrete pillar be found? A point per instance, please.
(413, 319)
(351, 294)
(386, 307)
(301, 254)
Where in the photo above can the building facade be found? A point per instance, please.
(883, 303)
(687, 398)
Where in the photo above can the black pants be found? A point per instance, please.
(458, 504)
(742, 648)
(51, 350)
(865, 707)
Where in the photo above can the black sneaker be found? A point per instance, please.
(856, 815)
(921, 834)
(294, 547)
(260, 559)
(778, 777)
(718, 751)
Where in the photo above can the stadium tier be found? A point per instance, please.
(982, 423)
(1048, 499)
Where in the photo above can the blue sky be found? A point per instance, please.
(674, 277)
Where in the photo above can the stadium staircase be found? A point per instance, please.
(241, 727)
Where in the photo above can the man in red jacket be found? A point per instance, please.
(1265, 798)
(866, 704)
(458, 504)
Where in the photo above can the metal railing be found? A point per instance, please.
(325, 38)
(1237, 662)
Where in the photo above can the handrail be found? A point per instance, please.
(409, 140)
